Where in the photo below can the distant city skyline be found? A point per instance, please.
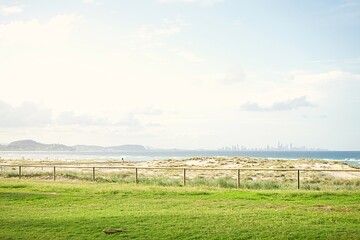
(279, 147)
(187, 74)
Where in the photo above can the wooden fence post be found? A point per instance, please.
(19, 172)
(54, 175)
(93, 174)
(184, 177)
(298, 179)
(136, 176)
(238, 178)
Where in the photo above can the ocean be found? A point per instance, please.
(349, 157)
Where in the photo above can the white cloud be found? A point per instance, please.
(33, 32)
(287, 105)
(324, 77)
(148, 111)
(188, 55)
(91, 2)
(25, 115)
(322, 87)
(11, 10)
(228, 77)
(29, 115)
(338, 61)
(155, 42)
(235, 75)
(130, 124)
(152, 42)
(69, 118)
(149, 33)
(201, 2)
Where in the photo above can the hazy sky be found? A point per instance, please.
(181, 73)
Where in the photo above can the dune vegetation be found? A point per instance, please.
(330, 175)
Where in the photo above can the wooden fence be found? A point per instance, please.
(183, 169)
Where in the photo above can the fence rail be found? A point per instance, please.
(183, 169)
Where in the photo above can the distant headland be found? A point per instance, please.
(31, 145)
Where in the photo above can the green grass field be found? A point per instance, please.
(32, 209)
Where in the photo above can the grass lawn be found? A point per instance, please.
(32, 209)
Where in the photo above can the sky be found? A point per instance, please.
(189, 74)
